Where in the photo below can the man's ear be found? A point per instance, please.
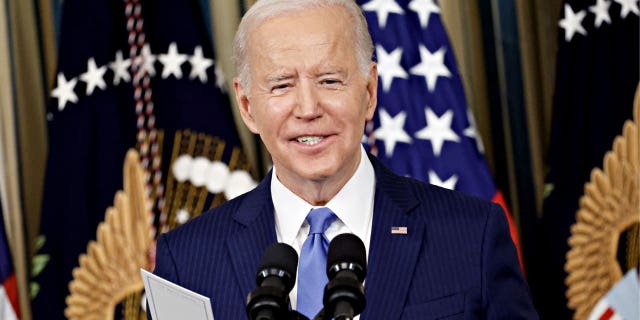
(243, 104)
(372, 89)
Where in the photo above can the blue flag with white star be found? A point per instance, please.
(141, 75)
(596, 77)
(423, 127)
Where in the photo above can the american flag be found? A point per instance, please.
(423, 127)
(621, 302)
(399, 230)
(9, 308)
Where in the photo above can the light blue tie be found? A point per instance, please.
(312, 269)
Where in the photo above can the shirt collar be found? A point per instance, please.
(291, 210)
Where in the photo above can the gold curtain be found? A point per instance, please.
(537, 29)
(30, 109)
(23, 133)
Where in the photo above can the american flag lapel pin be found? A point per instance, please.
(398, 230)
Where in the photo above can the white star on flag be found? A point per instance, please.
(382, 9)
(199, 65)
(220, 79)
(431, 66)
(120, 68)
(435, 147)
(94, 76)
(389, 66)
(572, 23)
(64, 91)
(448, 184)
(472, 131)
(601, 10)
(391, 130)
(628, 6)
(438, 130)
(424, 9)
(148, 59)
(172, 61)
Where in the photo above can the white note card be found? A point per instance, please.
(169, 301)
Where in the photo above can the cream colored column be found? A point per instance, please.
(48, 37)
(533, 98)
(537, 30)
(547, 15)
(226, 17)
(249, 3)
(9, 174)
(461, 19)
(30, 111)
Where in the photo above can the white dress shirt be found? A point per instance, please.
(353, 205)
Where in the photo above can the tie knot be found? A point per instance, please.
(320, 219)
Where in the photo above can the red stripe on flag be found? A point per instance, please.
(607, 314)
(11, 288)
(513, 230)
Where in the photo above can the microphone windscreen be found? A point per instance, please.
(348, 248)
(280, 256)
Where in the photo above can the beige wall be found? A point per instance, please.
(30, 102)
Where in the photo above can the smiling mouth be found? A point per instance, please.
(309, 140)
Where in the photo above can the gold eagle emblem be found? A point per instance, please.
(609, 207)
(110, 270)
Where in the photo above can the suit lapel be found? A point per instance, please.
(392, 257)
(246, 247)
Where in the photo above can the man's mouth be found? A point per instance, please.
(309, 140)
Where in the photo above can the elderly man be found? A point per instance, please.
(307, 85)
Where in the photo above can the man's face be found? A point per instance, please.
(307, 97)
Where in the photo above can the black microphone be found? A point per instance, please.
(275, 278)
(346, 269)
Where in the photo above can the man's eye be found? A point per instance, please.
(330, 81)
(279, 87)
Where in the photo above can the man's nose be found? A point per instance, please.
(307, 102)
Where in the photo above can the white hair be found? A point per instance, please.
(265, 9)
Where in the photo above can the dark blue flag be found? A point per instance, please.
(141, 75)
(596, 77)
(423, 127)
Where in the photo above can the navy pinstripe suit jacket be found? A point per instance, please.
(456, 262)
